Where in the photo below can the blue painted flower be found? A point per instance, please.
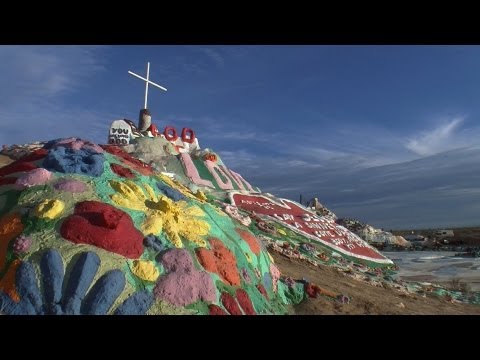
(170, 192)
(74, 300)
(267, 281)
(71, 161)
(154, 242)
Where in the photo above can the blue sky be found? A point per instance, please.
(385, 134)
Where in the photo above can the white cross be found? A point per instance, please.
(147, 81)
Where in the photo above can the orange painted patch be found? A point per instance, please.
(10, 227)
(7, 284)
(220, 261)
(250, 240)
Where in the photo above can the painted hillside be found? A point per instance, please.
(91, 229)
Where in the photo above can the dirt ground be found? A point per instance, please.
(365, 298)
(4, 160)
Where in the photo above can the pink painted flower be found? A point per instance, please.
(22, 244)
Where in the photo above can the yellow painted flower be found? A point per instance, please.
(280, 231)
(49, 209)
(176, 219)
(201, 195)
(145, 270)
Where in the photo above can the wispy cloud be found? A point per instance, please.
(444, 137)
(369, 173)
(215, 130)
(237, 51)
(214, 55)
(433, 191)
(316, 153)
(246, 135)
(225, 89)
(50, 121)
(239, 159)
(34, 83)
(32, 72)
(357, 145)
(294, 163)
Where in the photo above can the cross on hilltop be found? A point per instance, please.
(147, 81)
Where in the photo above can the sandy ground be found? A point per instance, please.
(4, 160)
(365, 298)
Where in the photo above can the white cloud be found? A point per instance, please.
(235, 87)
(213, 130)
(34, 81)
(32, 72)
(352, 144)
(238, 159)
(318, 153)
(294, 163)
(441, 138)
(431, 191)
(211, 54)
(237, 51)
(47, 121)
(214, 55)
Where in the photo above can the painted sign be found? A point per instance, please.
(201, 172)
(306, 223)
(120, 133)
(211, 174)
(123, 131)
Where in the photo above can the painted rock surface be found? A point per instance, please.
(88, 229)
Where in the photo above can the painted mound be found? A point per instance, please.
(204, 170)
(88, 229)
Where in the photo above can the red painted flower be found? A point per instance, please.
(231, 304)
(104, 226)
(122, 171)
(24, 163)
(135, 164)
(263, 291)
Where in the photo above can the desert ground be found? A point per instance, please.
(4, 160)
(365, 299)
